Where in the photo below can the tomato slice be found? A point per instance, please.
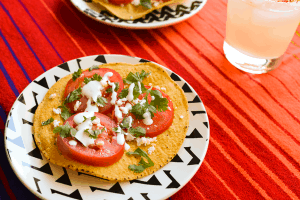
(72, 85)
(97, 155)
(119, 2)
(161, 120)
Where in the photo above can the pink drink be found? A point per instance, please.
(261, 28)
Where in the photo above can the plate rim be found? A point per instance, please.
(182, 184)
(144, 26)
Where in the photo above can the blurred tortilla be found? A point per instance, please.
(167, 145)
(130, 11)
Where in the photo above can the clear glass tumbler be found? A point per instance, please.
(258, 32)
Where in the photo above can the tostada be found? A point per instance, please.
(116, 121)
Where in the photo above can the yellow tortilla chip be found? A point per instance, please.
(130, 11)
(167, 145)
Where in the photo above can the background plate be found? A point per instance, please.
(50, 181)
(165, 16)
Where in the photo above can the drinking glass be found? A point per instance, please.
(258, 32)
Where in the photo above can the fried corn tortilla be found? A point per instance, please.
(130, 11)
(167, 145)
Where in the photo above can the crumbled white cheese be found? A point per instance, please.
(147, 118)
(76, 106)
(144, 140)
(52, 96)
(156, 4)
(181, 116)
(56, 123)
(129, 137)
(169, 108)
(120, 138)
(118, 113)
(100, 143)
(72, 143)
(151, 149)
(152, 97)
(104, 79)
(57, 111)
(157, 87)
(162, 88)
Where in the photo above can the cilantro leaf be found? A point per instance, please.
(74, 95)
(84, 117)
(137, 77)
(65, 130)
(136, 90)
(77, 74)
(94, 117)
(161, 104)
(109, 90)
(137, 132)
(97, 77)
(65, 114)
(86, 130)
(87, 80)
(142, 165)
(126, 122)
(48, 121)
(138, 110)
(102, 101)
(95, 133)
(93, 67)
(123, 93)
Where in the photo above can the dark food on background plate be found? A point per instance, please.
(143, 123)
(133, 9)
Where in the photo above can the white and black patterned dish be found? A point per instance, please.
(49, 181)
(165, 16)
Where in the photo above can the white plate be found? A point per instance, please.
(50, 181)
(165, 16)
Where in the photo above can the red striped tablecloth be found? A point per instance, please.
(254, 150)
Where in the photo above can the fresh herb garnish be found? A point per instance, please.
(139, 109)
(134, 78)
(94, 117)
(109, 90)
(142, 165)
(48, 121)
(84, 117)
(74, 95)
(160, 103)
(65, 114)
(102, 101)
(96, 77)
(137, 132)
(65, 130)
(136, 91)
(95, 133)
(146, 3)
(86, 131)
(87, 80)
(93, 67)
(77, 74)
(126, 122)
(123, 93)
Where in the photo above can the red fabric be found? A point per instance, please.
(254, 119)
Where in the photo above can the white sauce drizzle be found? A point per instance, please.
(127, 147)
(92, 90)
(147, 116)
(118, 113)
(81, 135)
(78, 119)
(105, 78)
(90, 107)
(72, 143)
(114, 94)
(140, 90)
(130, 92)
(120, 139)
(130, 121)
(126, 109)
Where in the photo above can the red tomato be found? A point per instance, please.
(161, 120)
(119, 2)
(72, 85)
(96, 155)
